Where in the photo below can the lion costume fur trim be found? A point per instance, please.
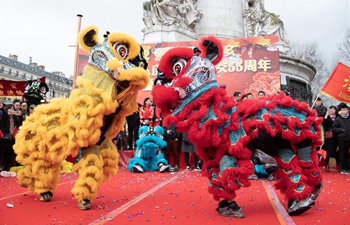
(64, 126)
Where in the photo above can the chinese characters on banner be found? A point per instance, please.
(248, 64)
(338, 84)
(9, 88)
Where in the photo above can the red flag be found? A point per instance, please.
(338, 84)
(83, 59)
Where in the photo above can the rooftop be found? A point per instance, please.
(35, 70)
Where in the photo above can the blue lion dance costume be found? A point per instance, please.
(148, 155)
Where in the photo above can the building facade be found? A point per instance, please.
(12, 69)
(171, 21)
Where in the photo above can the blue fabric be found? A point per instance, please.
(191, 97)
(288, 112)
(236, 135)
(259, 169)
(286, 154)
(150, 164)
(148, 152)
(295, 178)
(209, 116)
(227, 162)
(304, 154)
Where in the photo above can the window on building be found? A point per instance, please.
(16, 74)
(10, 70)
(2, 69)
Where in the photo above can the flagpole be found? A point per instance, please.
(318, 95)
(76, 53)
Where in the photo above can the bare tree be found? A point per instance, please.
(344, 47)
(310, 52)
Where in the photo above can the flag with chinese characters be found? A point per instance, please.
(11, 88)
(338, 84)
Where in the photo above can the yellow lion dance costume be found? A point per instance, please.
(89, 119)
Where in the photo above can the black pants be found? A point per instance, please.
(172, 146)
(187, 159)
(133, 136)
(122, 143)
(7, 154)
(344, 158)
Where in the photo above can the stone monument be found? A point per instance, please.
(185, 20)
(170, 20)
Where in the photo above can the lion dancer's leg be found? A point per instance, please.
(224, 179)
(308, 160)
(90, 172)
(41, 177)
(41, 167)
(110, 157)
(298, 178)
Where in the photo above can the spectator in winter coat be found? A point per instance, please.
(321, 110)
(172, 139)
(341, 126)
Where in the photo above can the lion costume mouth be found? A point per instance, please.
(184, 76)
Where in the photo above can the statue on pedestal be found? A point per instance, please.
(181, 13)
(260, 22)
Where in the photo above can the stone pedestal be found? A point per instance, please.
(221, 18)
(162, 33)
(296, 75)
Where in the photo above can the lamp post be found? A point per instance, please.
(76, 52)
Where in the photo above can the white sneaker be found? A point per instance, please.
(7, 174)
(197, 168)
(253, 177)
(137, 169)
(163, 168)
(188, 168)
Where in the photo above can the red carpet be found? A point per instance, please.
(178, 198)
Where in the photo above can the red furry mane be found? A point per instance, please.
(217, 43)
(165, 63)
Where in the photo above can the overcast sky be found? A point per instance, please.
(44, 29)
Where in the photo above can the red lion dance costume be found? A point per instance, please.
(226, 134)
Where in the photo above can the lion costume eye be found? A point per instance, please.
(121, 49)
(178, 65)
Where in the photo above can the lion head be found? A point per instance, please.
(184, 75)
(119, 55)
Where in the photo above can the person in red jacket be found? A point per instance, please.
(146, 112)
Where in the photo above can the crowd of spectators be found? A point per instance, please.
(11, 118)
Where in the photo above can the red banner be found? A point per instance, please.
(10, 88)
(82, 61)
(249, 64)
(338, 84)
